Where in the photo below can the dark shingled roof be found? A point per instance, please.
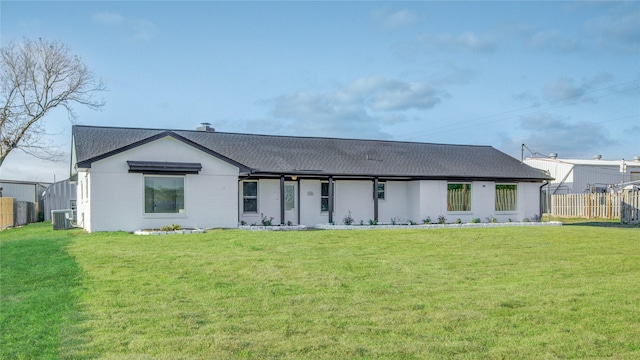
(275, 155)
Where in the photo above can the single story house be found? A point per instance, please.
(578, 176)
(131, 178)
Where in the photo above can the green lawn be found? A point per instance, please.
(518, 292)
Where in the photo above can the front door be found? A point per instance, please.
(290, 203)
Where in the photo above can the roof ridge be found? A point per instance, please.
(280, 136)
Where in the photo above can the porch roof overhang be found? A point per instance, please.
(168, 168)
(320, 174)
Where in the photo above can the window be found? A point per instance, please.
(459, 197)
(381, 190)
(506, 197)
(163, 194)
(250, 196)
(324, 196)
(289, 197)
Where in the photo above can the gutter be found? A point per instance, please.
(546, 182)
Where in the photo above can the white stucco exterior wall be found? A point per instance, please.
(116, 197)
(395, 205)
(528, 201)
(355, 196)
(310, 213)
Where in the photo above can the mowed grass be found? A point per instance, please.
(528, 292)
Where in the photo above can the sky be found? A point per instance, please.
(561, 77)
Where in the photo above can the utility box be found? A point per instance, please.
(61, 219)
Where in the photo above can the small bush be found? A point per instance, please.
(266, 221)
(475, 220)
(348, 219)
(442, 219)
(458, 221)
(426, 220)
(372, 222)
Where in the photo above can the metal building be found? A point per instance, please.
(577, 176)
(60, 196)
(24, 191)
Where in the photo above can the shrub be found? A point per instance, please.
(372, 222)
(458, 221)
(266, 221)
(475, 220)
(348, 219)
(426, 220)
(441, 219)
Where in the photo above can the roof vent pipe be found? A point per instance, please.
(553, 155)
(597, 157)
(636, 158)
(205, 127)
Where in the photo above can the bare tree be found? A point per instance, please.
(37, 76)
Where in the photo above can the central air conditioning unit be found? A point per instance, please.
(61, 219)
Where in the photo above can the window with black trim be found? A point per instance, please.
(506, 197)
(324, 196)
(250, 196)
(163, 194)
(381, 191)
(459, 197)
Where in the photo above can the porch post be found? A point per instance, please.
(298, 201)
(375, 199)
(281, 199)
(330, 199)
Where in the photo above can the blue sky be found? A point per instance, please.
(557, 76)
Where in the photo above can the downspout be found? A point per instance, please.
(375, 199)
(330, 200)
(546, 182)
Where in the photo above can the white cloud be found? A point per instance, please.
(360, 108)
(567, 90)
(108, 18)
(619, 31)
(548, 133)
(390, 19)
(553, 40)
(136, 29)
(467, 41)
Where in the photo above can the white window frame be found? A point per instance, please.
(516, 203)
(470, 184)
